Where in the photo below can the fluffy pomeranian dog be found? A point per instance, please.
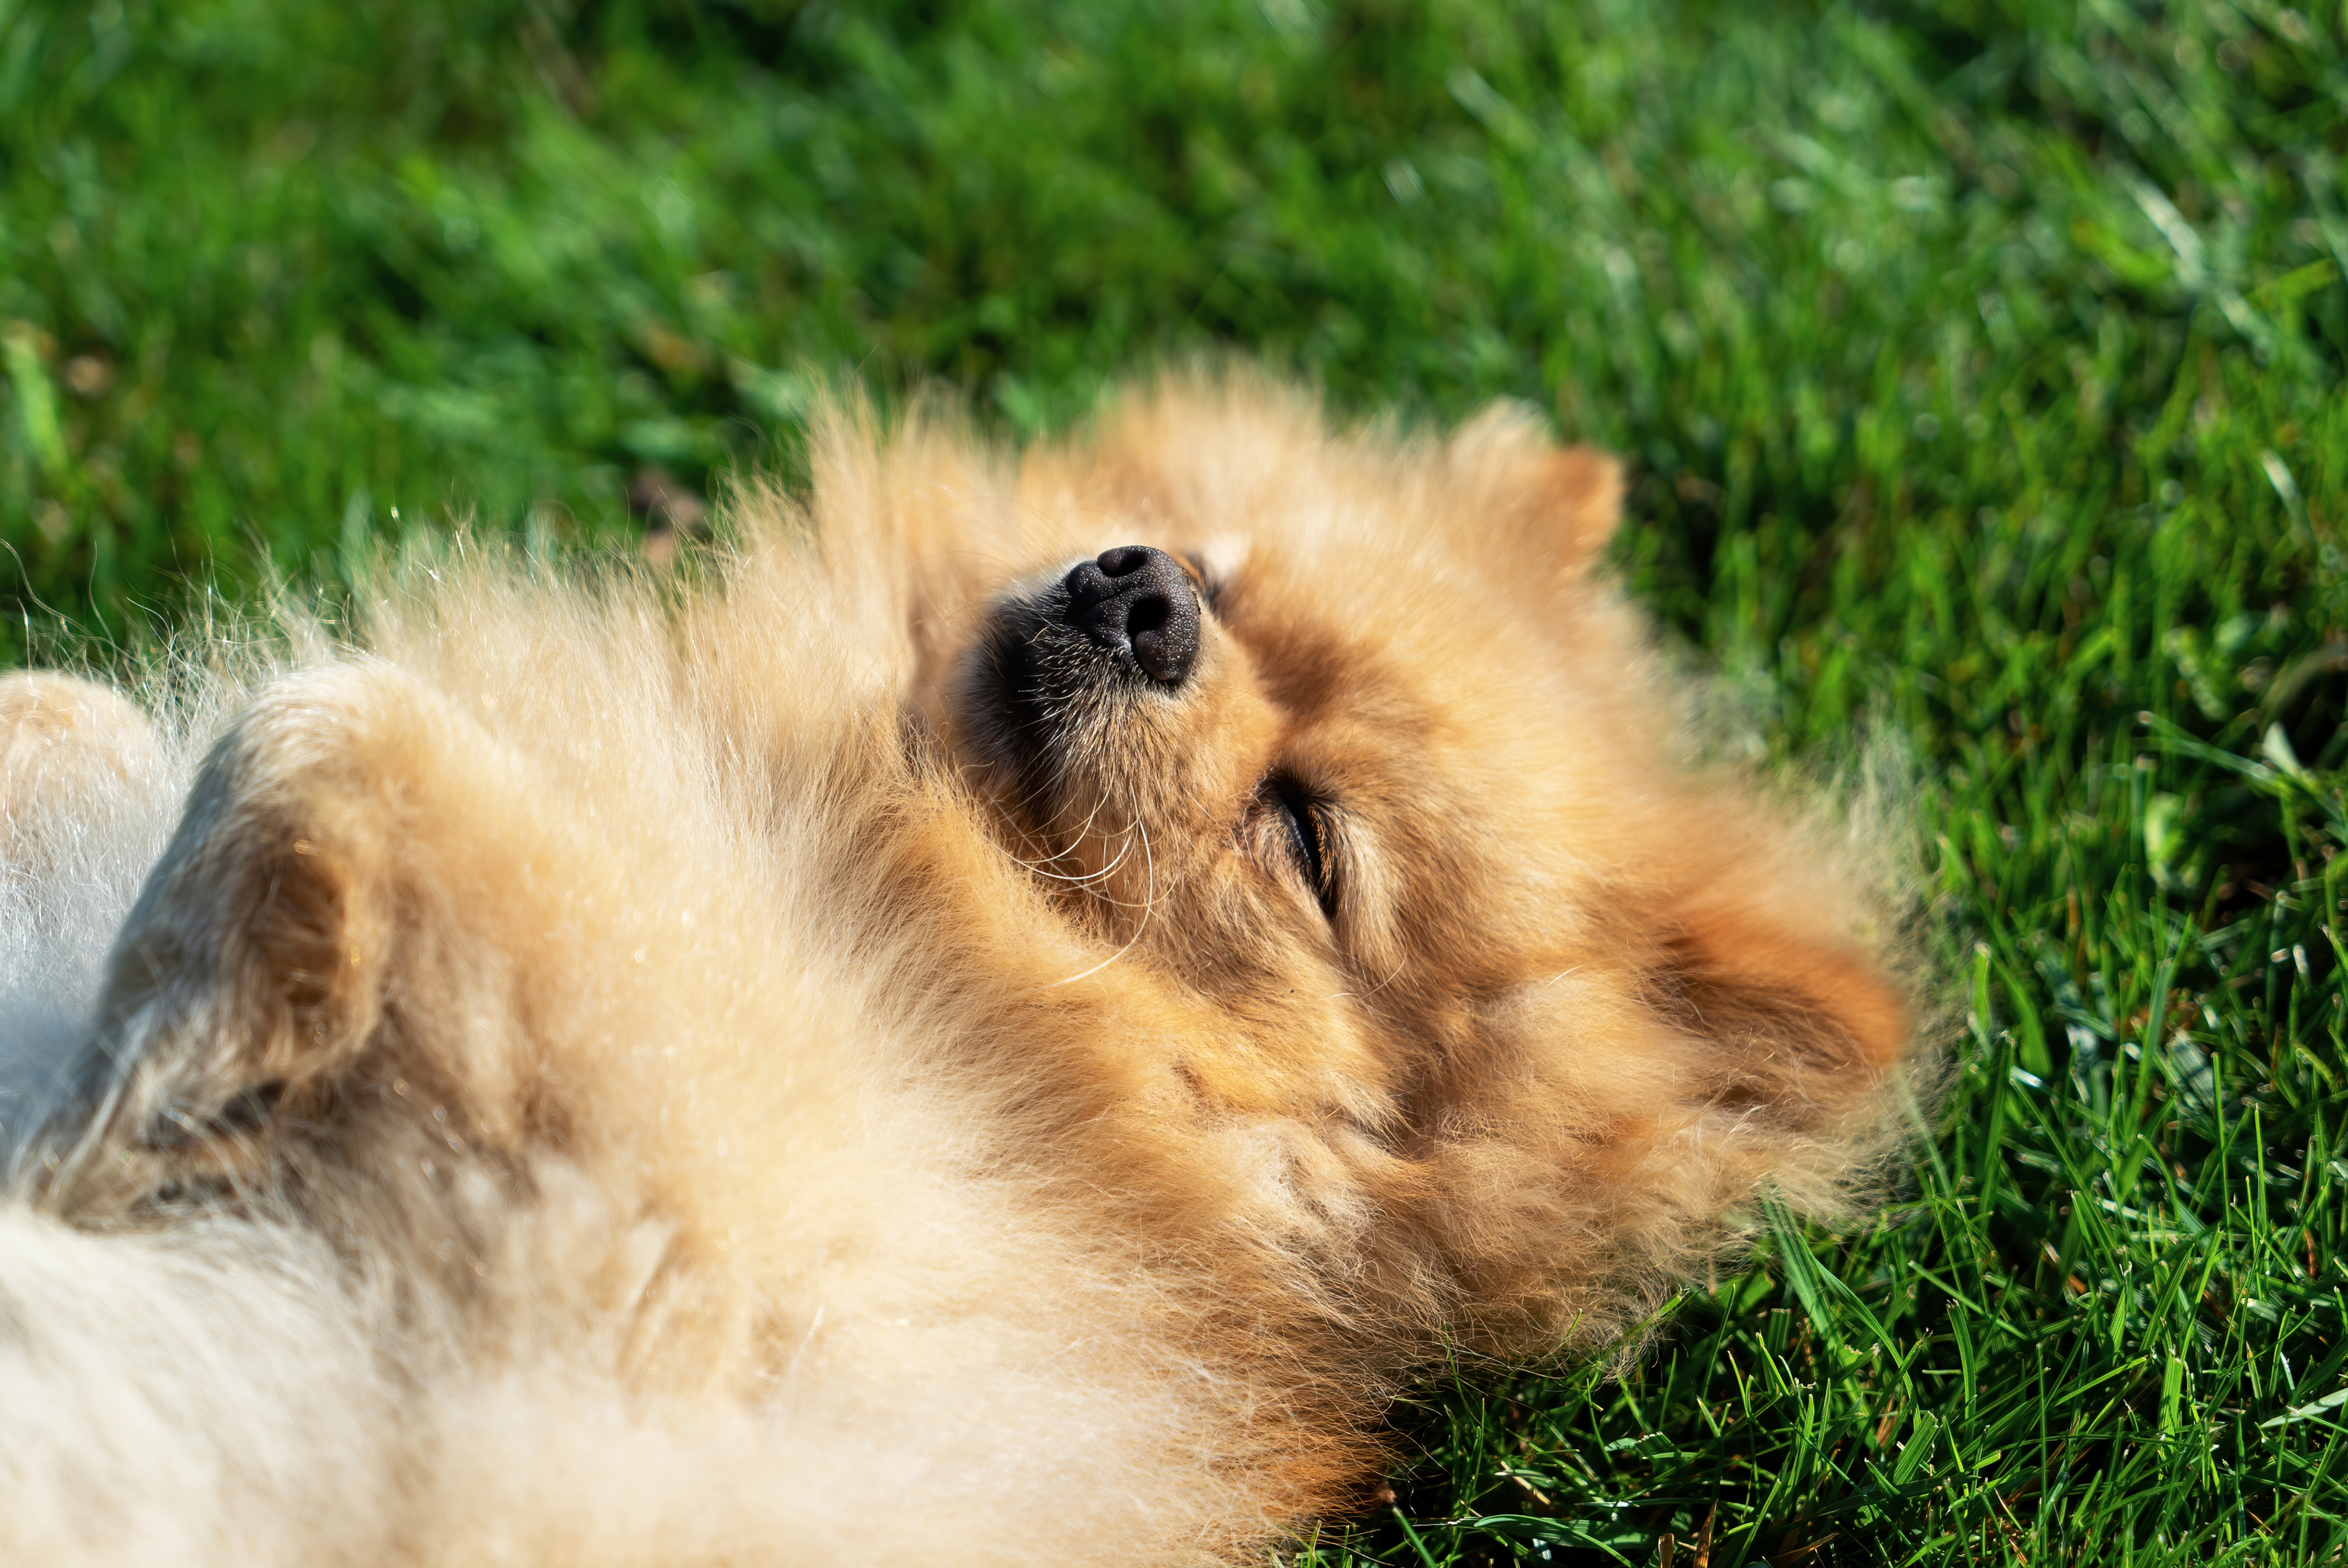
(997, 1021)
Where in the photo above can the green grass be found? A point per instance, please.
(1981, 364)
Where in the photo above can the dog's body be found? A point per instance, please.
(973, 1038)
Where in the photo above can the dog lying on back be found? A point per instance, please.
(1002, 1028)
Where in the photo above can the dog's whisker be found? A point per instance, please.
(1147, 904)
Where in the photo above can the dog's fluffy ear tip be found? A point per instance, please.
(1557, 505)
(1586, 476)
(1580, 497)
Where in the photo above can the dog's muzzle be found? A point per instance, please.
(1071, 659)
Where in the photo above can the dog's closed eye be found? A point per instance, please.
(1302, 832)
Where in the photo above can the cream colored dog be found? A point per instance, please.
(997, 1021)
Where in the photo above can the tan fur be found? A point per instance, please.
(682, 1092)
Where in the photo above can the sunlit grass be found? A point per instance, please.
(1978, 365)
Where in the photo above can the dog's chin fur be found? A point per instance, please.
(823, 1067)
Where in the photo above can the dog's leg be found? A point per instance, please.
(84, 792)
(195, 1397)
(335, 847)
(71, 753)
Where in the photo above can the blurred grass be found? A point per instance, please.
(1980, 362)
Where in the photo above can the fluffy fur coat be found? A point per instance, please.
(997, 1019)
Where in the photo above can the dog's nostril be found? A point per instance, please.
(1147, 613)
(1126, 560)
(1138, 600)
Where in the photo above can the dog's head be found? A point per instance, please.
(1353, 742)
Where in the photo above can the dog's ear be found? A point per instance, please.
(1552, 511)
(258, 966)
(1789, 1004)
(1573, 506)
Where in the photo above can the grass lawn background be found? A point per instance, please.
(1980, 364)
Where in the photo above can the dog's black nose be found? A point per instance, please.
(1138, 598)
